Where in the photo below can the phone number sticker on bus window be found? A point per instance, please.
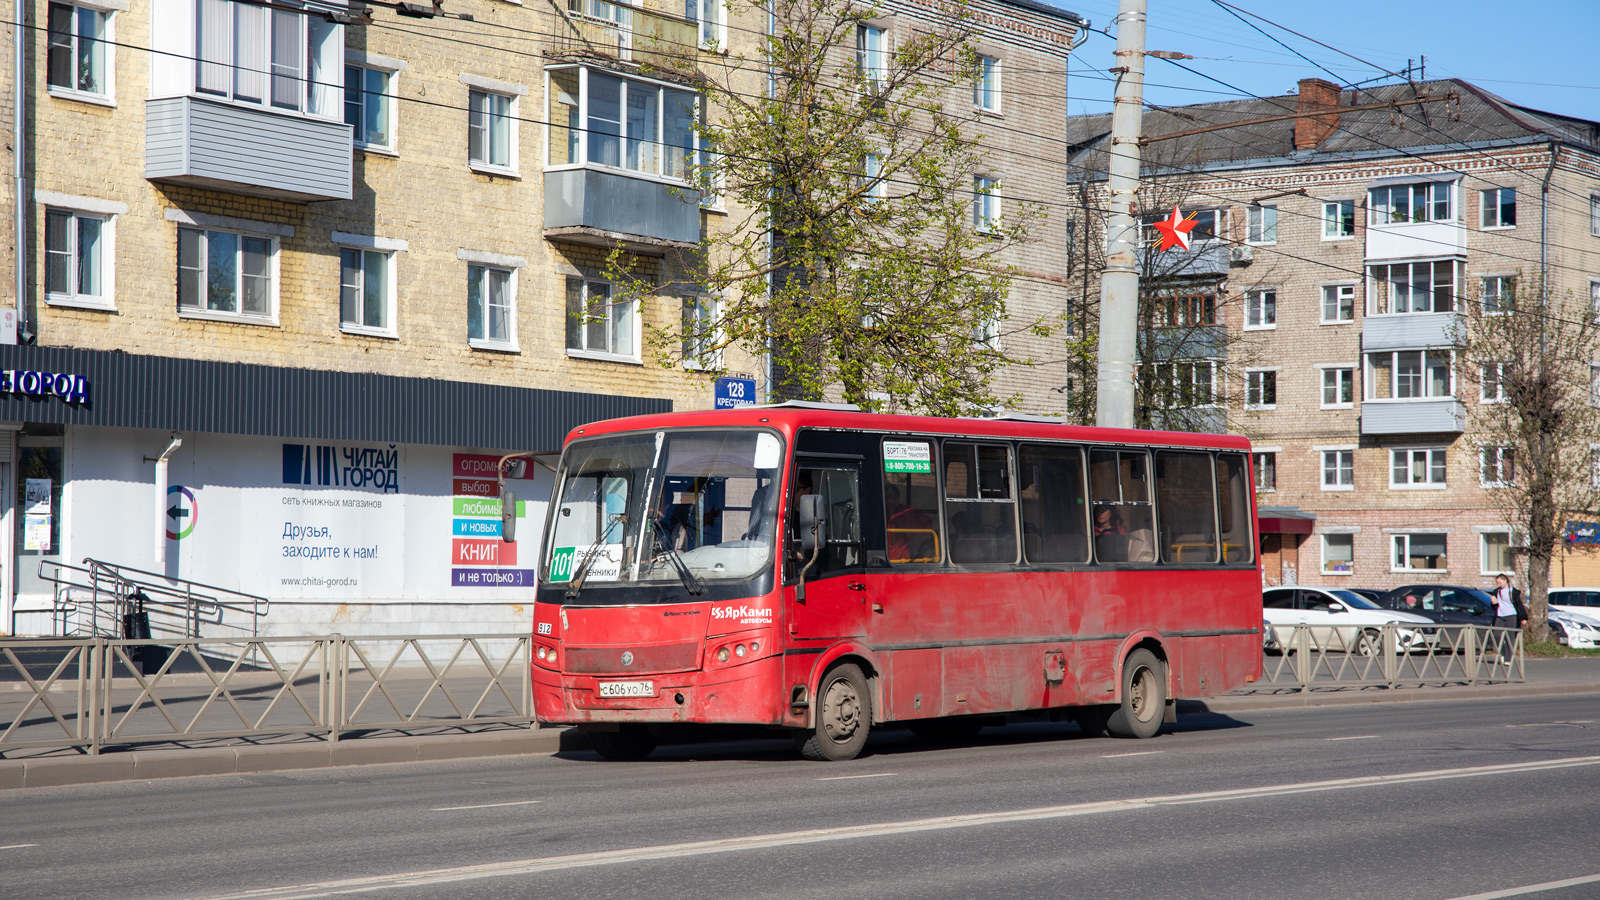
(907, 456)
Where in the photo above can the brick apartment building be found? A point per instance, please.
(1337, 231)
(348, 262)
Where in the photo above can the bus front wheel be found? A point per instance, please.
(843, 716)
(1144, 697)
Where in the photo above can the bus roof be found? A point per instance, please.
(792, 417)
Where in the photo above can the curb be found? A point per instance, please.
(1363, 696)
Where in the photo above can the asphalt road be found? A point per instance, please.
(1434, 801)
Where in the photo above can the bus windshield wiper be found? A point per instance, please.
(575, 587)
(694, 585)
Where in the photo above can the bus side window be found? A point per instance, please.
(1055, 522)
(839, 499)
(1233, 494)
(980, 514)
(1119, 484)
(1188, 510)
(911, 509)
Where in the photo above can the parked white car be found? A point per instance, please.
(1583, 601)
(1340, 620)
(1578, 632)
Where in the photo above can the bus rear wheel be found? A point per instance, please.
(843, 716)
(1144, 697)
(629, 742)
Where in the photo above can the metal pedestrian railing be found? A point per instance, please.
(95, 598)
(94, 693)
(1311, 657)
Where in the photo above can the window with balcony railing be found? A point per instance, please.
(598, 118)
(1410, 375)
(1422, 286)
(273, 58)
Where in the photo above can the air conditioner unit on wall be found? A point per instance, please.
(1241, 254)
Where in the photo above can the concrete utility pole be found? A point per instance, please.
(1119, 285)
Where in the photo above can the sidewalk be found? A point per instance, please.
(1546, 677)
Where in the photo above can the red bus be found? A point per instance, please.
(814, 568)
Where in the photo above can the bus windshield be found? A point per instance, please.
(644, 507)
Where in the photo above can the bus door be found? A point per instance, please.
(836, 600)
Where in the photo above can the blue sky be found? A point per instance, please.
(1544, 54)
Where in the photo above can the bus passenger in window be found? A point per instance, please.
(1110, 535)
(910, 534)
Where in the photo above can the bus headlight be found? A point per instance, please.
(722, 654)
(739, 651)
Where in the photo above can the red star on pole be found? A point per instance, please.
(1175, 231)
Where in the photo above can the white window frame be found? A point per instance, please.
(389, 99)
(1343, 461)
(700, 312)
(509, 119)
(1594, 385)
(1489, 210)
(985, 203)
(627, 307)
(1168, 371)
(1503, 457)
(107, 14)
(1332, 218)
(1264, 460)
(1261, 229)
(1375, 294)
(1337, 288)
(1261, 309)
(580, 133)
(1594, 214)
(494, 262)
(1370, 378)
(1350, 536)
(275, 281)
(1483, 551)
(877, 187)
(316, 95)
(1348, 371)
(986, 88)
(1486, 382)
(388, 250)
(1594, 466)
(1380, 215)
(1501, 288)
(1434, 459)
(1403, 538)
(713, 31)
(107, 213)
(1255, 387)
(1594, 298)
(872, 61)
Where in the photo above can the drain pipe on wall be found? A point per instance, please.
(1544, 227)
(19, 134)
(161, 499)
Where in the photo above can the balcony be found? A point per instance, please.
(244, 150)
(1415, 240)
(1205, 259)
(603, 208)
(629, 34)
(1412, 331)
(1445, 415)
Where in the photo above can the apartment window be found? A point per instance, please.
(1260, 309)
(598, 322)
(366, 290)
(77, 50)
(1497, 293)
(634, 125)
(1339, 469)
(1420, 467)
(1338, 554)
(700, 350)
(1266, 466)
(1184, 310)
(871, 62)
(1261, 389)
(369, 106)
(985, 203)
(1594, 215)
(226, 272)
(1594, 385)
(1401, 203)
(76, 258)
(1261, 225)
(1497, 466)
(1409, 375)
(1413, 287)
(1594, 298)
(491, 307)
(1492, 382)
(712, 17)
(873, 183)
(1338, 303)
(1338, 219)
(489, 130)
(271, 57)
(986, 92)
(1495, 553)
(1419, 552)
(1183, 383)
(1338, 387)
(1208, 224)
(1500, 208)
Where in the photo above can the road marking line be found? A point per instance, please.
(1139, 753)
(1532, 888)
(846, 777)
(17, 846)
(856, 832)
(1355, 737)
(484, 805)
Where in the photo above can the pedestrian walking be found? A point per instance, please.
(1508, 612)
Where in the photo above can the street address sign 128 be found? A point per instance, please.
(734, 392)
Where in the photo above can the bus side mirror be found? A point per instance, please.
(508, 516)
(813, 522)
(516, 468)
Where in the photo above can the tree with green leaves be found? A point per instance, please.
(1531, 359)
(859, 254)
